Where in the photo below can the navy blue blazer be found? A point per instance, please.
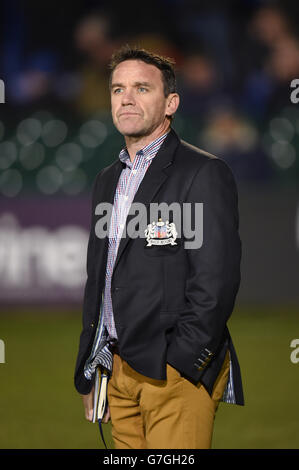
(170, 303)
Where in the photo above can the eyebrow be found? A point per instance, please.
(136, 84)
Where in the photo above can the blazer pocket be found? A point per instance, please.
(162, 250)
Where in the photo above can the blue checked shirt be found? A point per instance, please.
(128, 183)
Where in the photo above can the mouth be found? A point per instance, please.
(128, 114)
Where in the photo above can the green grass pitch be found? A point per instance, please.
(40, 408)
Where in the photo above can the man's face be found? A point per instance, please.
(137, 98)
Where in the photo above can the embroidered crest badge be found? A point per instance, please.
(161, 233)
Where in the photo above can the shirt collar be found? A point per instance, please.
(148, 152)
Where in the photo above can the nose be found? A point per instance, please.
(128, 97)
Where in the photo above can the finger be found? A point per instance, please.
(88, 414)
(107, 416)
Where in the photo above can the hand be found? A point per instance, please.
(88, 404)
(106, 416)
(88, 407)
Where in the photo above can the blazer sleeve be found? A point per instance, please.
(82, 385)
(89, 291)
(213, 272)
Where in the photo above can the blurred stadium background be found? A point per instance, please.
(235, 61)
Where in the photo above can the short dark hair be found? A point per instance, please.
(165, 64)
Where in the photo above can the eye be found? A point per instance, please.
(142, 89)
(116, 91)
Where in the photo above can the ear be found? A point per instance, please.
(173, 101)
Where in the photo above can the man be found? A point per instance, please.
(155, 312)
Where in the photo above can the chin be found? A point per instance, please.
(129, 132)
(135, 134)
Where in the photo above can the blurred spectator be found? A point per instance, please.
(158, 44)
(272, 58)
(267, 26)
(93, 41)
(207, 24)
(35, 82)
(282, 66)
(200, 86)
(229, 136)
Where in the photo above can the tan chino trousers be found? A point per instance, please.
(162, 414)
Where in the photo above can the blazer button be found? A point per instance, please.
(92, 325)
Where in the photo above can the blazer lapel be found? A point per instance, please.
(110, 182)
(106, 194)
(155, 176)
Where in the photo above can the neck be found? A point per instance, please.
(134, 144)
